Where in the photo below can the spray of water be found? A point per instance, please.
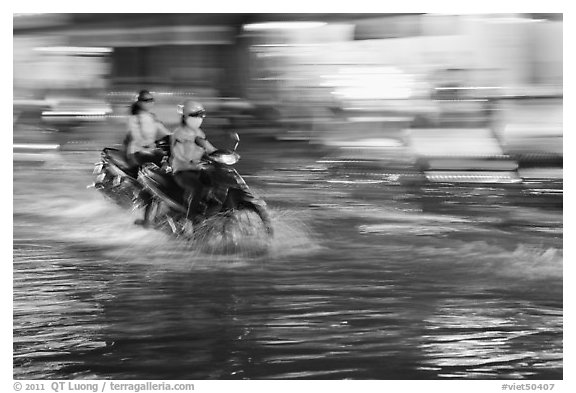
(90, 221)
(241, 237)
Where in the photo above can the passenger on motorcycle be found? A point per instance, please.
(143, 132)
(188, 145)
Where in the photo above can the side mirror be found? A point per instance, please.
(236, 138)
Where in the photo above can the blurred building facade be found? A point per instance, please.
(448, 82)
(309, 66)
(186, 51)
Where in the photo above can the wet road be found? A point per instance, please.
(357, 283)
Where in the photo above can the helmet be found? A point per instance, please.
(192, 108)
(144, 96)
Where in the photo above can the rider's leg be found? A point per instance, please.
(142, 157)
(147, 199)
(190, 182)
(265, 216)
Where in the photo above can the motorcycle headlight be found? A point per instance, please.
(227, 159)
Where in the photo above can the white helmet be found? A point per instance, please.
(192, 108)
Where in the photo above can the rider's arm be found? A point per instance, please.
(203, 142)
(161, 129)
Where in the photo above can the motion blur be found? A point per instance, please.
(413, 165)
(457, 98)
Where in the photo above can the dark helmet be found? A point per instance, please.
(144, 96)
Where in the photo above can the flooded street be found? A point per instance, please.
(357, 283)
(412, 167)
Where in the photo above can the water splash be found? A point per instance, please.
(479, 258)
(533, 262)
(93, 222)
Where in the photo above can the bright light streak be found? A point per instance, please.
(72, 113)
(34, 146)
(469, 88)
(74, 49)
(487, 177)
(282, 25)
(369, 143)
(370, 83)
(514, 20)
(20, 15)
(285, 45)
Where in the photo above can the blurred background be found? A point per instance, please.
(423, 90)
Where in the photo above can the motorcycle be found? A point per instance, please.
(225, 193)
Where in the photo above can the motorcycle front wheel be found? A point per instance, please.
(240, 200)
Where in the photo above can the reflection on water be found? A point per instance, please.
(347, 289)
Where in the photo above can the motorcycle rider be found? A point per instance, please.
(188, 145)
(143, 131)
